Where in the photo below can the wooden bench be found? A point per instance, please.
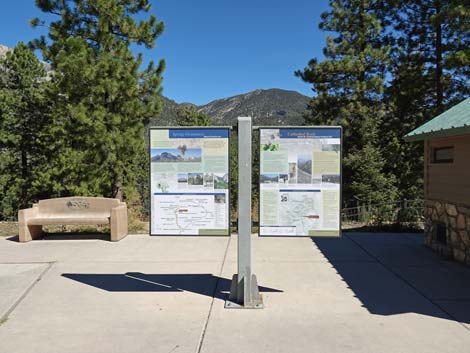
(73, 211)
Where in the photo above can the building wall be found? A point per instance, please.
(447, 193)
(456, 220)
(449, 181)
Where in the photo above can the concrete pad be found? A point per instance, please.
(15, 281)
(303, 249)
(277, 249)
(146, 294)
(458, 309)
(141, 248)
(385, 237)
(334, 307)
(416, 237)
(396, 249)
(341, 250)
(113, 307)
(362, 293)
(439, 283)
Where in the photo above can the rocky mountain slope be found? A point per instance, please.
(3, 50)
(267, 107)
(276, 106)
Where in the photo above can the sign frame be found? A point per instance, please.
(229, 129)
(340, 231)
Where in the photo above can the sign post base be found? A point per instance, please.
(244, 296)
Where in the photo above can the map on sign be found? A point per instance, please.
(295, 203)
(300, 176)
(180, 213)
(189, 181)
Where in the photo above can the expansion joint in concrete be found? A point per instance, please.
(201, 339)
(28, 289)
(404, 280)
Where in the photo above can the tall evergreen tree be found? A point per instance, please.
(429, 70)
(348, 87)
(431, 37)
(459, 24)
(102, 99)
(22, 124)
(188, 116)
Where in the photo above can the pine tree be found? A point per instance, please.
(188, 116)
(430, 41)
(102, 99)
(458, 59)
(430, 72)
(22, 124)
(348, 87)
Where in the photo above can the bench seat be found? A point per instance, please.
(69, 220)
(73, 211)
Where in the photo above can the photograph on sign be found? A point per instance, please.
(189, 181)
(300, 181)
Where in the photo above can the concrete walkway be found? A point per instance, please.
(363, 293)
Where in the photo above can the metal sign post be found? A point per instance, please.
(244, 292)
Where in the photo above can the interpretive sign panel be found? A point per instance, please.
(300, 181)
(189, 181)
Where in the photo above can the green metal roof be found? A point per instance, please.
(453, 122)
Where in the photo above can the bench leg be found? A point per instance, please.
(29, 232)
(119, 231)
(118, 223)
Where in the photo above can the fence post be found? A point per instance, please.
(244, 291)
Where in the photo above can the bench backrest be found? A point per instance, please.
(77, 206)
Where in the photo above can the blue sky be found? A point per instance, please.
(215, 48)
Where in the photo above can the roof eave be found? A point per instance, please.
(456, 131)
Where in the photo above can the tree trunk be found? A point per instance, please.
(439, 89)
(24, 175)
(117, 188)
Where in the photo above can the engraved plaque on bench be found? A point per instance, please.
(77, 205)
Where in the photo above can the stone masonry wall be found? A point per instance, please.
(457, 221)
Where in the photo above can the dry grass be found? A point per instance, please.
(8, 229)
(138, 227)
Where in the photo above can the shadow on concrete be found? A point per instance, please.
(384, 228)
(203, 284)
(68, 236)
(395, 274)
(75, 236)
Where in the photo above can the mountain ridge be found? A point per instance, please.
(273, 106)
